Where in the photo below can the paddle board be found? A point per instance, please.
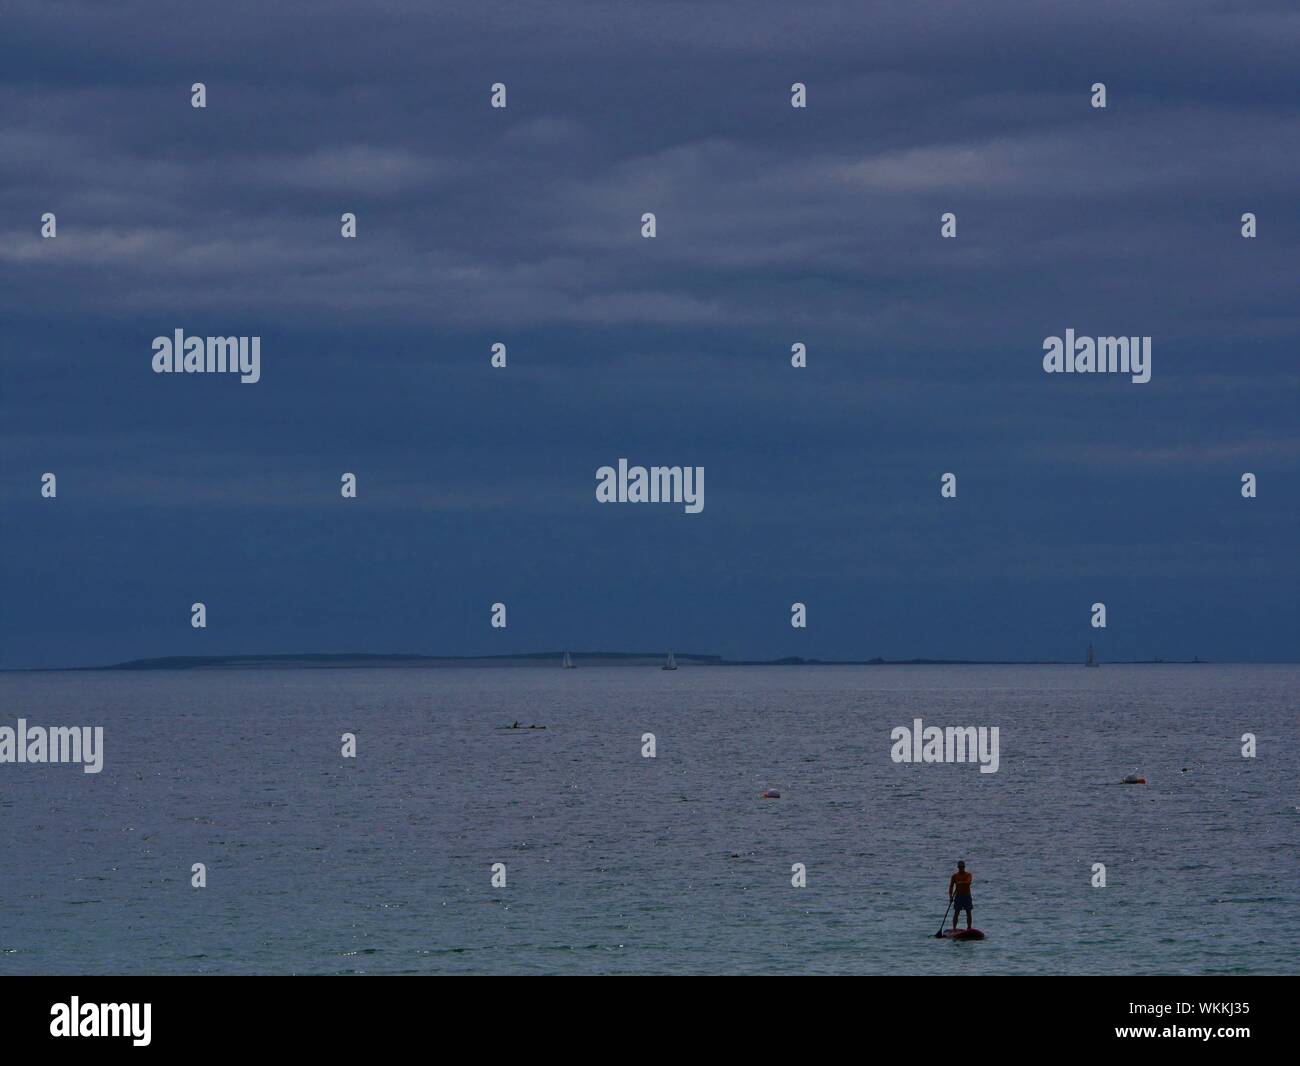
(963, 934)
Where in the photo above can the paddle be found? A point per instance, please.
(944, 920)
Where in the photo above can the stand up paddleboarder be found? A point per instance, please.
(959, 893)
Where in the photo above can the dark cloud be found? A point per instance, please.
(775, 225)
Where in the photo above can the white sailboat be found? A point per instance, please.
(568, 663)
(1092, 658)
(671, 664)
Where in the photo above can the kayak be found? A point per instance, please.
(963, 934)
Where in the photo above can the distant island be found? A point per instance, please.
(551, 659)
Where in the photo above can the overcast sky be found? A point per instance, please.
(775, 225)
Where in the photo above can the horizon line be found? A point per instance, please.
(361, 659)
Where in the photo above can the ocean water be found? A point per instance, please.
(617, 863)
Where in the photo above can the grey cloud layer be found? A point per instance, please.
(478, 218)
(775, 225)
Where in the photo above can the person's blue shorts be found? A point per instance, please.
(961, 903)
